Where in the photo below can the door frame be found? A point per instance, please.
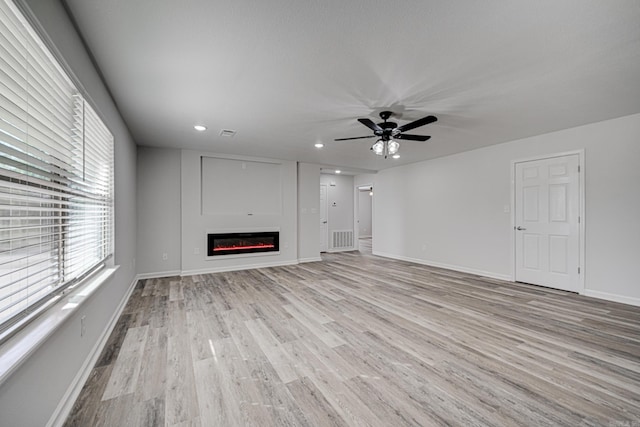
(581, 210)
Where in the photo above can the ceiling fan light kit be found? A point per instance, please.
(392, 147)
(378, 147)
(389, 132)
(385, 148)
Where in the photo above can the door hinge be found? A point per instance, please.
(578, 219)
(578, 270)
(578, 168)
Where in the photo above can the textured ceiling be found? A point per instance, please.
(286, 74)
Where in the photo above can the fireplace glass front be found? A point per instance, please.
(242, 243)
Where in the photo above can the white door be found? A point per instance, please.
(547, 230)
(324, 210)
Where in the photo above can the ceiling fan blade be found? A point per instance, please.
(416, 124)
(370, 124)
(412, 137)
(355, 137)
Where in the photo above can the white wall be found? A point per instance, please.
(196, 224)
(158, 189)
(30, 396)
(340, 195)
(308, 212)
(450, 211)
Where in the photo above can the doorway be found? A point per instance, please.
(549, 221)
(324, 219)
(364, 218)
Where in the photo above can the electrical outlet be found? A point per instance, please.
(165, 256)
(83, 327)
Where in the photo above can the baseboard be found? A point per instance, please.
(446, 266)
(313, 259)
(332, 251)
(612, 297)
(73, 391)
(157, 275)
(237, 267)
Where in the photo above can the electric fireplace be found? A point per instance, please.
(242, 243)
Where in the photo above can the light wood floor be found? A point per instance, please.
(361, 340)
(365, 245)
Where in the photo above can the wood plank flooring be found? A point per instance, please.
(358, 340)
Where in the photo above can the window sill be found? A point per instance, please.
(17, 349)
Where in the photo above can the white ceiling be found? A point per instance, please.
(286, 74)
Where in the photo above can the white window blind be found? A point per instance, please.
(56, 174)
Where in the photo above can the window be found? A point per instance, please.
(56, 175)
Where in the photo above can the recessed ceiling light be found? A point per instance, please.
(200, 128)
(338, 171)
(396, 156)
(319, 145)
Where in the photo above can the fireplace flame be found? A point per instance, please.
(228, 248)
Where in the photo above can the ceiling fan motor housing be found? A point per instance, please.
(387, 127)
(387, 130)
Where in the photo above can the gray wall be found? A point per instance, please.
(158, 184)
(308, 212)
(159, 209)
(450, 211)
(30, 396)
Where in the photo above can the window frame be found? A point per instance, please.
(94, 166)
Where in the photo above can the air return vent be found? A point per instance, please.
(228, 133)
(342, 239)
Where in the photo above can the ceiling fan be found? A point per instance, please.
(388, 132)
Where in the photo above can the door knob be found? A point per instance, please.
(520, 228)
(324, 222)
